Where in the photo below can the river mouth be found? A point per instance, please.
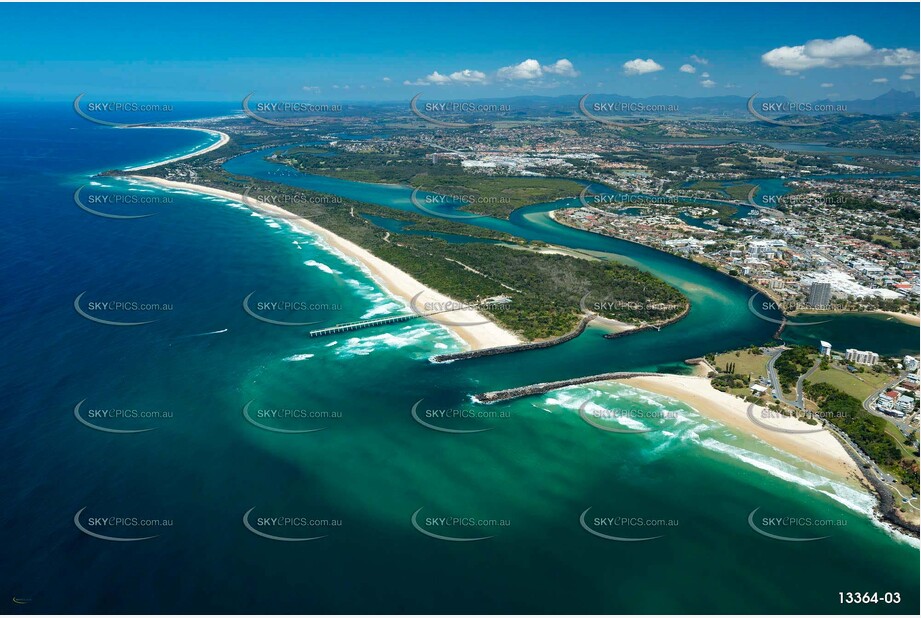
(719, 319)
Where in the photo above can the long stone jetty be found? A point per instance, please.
(518, 347)
(545, 387)
(646, 327)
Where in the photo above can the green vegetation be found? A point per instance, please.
(858, 385)
(869, 432)
(737, 370)
(793, 363)
(746, 362)
(545, 289)
(495, 196)
(723, 191)
(739, 192)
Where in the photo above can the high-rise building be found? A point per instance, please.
(910, 363)
(819, 295)
(824, 348)
(861, 357)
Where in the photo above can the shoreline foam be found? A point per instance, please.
(819, 448)
(223, 139)
(477, 332)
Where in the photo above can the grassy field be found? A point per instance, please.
(892, 241)
(745, 362)
(858, 385)
(899, 438)
(734, 192)
(861, 386)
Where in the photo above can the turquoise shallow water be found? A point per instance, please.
(358, 481)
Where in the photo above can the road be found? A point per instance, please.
(869, 404)
(775, 381)
(870, 467)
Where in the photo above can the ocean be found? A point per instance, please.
(244, 430)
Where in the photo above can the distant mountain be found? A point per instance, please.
(892, 102)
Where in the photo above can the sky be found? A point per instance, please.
(375, 52)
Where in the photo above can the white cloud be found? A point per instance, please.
(880, 80)
(707, 83)
(842, 47)
(705, 75)
(310, 88)
(907, 76)
(386, 79)
(687, 68)
(562, 67)
(850, 50)
(467, 76)
(828, 85)
(529, 69)
(698, 59)
(641, 67)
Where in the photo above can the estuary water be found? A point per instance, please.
(213, 479)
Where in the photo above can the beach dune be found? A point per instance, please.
(471, 326)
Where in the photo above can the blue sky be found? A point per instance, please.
(220, 52)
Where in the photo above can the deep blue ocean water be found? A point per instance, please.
(190, 373)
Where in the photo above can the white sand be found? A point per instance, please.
(223, 138)
(820, 448)
(914, 320)
(471, 326)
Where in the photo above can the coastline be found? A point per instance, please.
(223, 139)
(477, 332)
(912, 320)
(820, 448)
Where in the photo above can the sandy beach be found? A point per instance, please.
(914, 320)
(223, 138)
(477, 331)
(820, 448)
